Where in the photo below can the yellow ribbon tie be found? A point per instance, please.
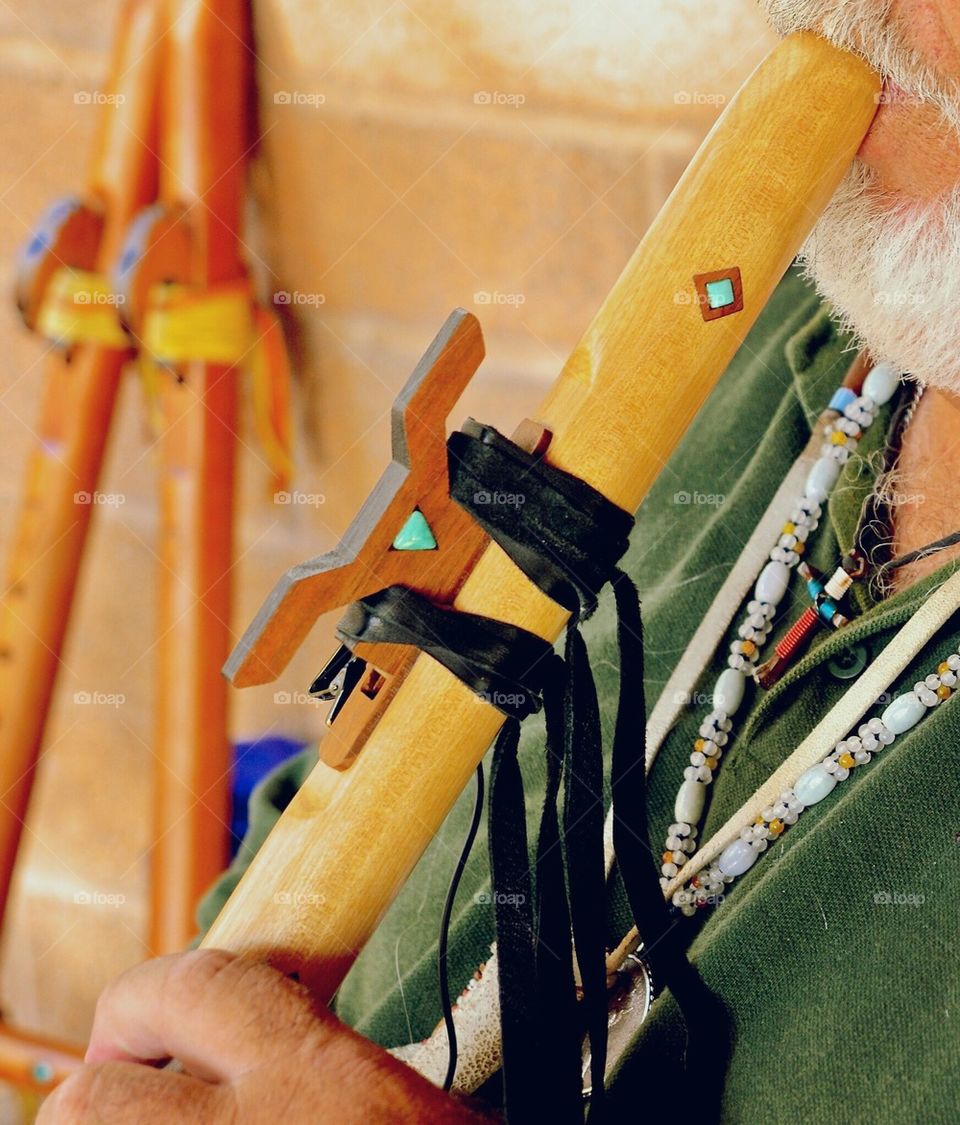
(222, 325)
(80, 307)
(217, 325)
(184, 323)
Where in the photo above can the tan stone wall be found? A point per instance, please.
(416, 156)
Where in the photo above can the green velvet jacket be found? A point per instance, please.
(842, 1002)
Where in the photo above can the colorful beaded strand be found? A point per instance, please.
(854, 414)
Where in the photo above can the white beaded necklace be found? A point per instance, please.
(850, 415)
(707, 887)
(799, 783)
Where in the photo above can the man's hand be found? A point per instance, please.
(254, 1048)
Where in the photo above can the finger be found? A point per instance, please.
(217, 1013)
(118, 1093)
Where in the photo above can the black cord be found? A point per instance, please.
(924, 552)
(442, 968)
(870, 537)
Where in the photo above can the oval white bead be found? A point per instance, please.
(689, 804)
(814, 785)
(728, 691)
(903, 713)
(738, 857)
(822, 477)
(772, 583)
(881, 382)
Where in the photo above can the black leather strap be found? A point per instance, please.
(563, 534)
(505, 665)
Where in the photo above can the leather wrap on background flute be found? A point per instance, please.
(344, 847)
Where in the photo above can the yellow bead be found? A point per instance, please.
(847, 761)
(711, 763)
(789, 528)
(800, 546)
(759, 821)
(749, 648)
(667, 857)
(942, 667)
(943, 691)
(775, 827)
(838, 437)
(699, 744)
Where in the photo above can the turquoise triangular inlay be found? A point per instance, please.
(415, 535)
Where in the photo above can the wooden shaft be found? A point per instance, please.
(192, 790)
(64, 466)
(203, 143)
(123, 167)
(340, 853)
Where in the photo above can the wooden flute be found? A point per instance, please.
(682, 306)
(79, 393)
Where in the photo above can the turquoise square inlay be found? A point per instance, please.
(720, 293)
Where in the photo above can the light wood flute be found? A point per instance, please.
(673, 320)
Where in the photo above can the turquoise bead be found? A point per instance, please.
(720, 293)
(814, 785)
(772, 583)
(728, 691)
(740, 856)
(822, 477)
(903, 713)
(415, 535)
(688, 807)
(881, 383)
(842, 397)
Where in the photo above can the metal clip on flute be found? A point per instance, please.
(409, 735)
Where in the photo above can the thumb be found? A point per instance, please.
(218, 1013)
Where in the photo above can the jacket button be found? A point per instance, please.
(848, 663)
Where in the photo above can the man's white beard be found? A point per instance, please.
(891, 270)
(889, 265)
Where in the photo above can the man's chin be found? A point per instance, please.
(890, 268)
(913, 152)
